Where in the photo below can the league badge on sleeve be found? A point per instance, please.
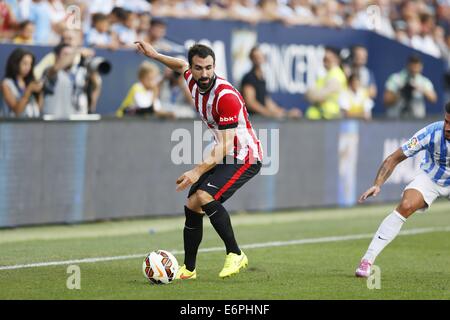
(413, 143)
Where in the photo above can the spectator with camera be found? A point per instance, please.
(72, 88)
(407, 91)
(73, 38)
(22, 95)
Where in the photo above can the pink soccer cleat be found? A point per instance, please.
(363, 270)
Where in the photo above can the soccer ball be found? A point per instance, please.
(160, 267)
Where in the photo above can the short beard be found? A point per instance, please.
(205, 86)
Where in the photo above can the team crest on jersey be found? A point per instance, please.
(412, 143)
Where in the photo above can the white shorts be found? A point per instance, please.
(429, 189)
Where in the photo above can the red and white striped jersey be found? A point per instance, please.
(222, 107)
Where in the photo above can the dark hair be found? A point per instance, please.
(118, 12)
(425, 17)
(24, 23)
(447, 107)
(156, 22)
(126, 15)
(333, 50)
(252, 51)
(13, 65)
(98, 17)
(200, 50)
(357, 46)
(353, 76)
(413, 59)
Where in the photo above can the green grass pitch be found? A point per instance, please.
(414, 266)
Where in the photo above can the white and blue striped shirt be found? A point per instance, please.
(436, 163)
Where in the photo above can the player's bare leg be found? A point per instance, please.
(412, 201)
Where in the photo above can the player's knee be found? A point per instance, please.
(406, 208)
(204, 197)
(194, 204)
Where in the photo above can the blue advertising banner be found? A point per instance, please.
(59, 172)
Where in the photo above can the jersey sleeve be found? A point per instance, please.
(189, 80)
(418, 142)
(187, 74)
(228, 107)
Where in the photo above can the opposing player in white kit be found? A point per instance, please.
(432, 182)
(235, 158)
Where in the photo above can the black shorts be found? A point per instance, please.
(222, 181)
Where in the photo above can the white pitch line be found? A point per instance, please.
(215, 249)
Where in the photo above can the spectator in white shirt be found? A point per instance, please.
(126, 29)
(100, 35)
(197, 8)
(372, 18)
(57, 17)
(355, 101)
(424, 40)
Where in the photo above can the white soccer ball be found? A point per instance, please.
(160, 267)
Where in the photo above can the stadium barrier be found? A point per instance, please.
(74, 171)
(294, 57)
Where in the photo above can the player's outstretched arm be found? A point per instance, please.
(175, 64)
(385, 171)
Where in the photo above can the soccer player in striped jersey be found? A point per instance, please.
(235, 158)
(432, 182)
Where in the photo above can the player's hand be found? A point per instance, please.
(371, 192)
(146, 49)
(187, 179)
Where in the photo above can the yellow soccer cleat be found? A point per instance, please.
(233, 263)
(185, 274)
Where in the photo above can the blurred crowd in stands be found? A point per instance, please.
(347, 89)
(421, 24)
